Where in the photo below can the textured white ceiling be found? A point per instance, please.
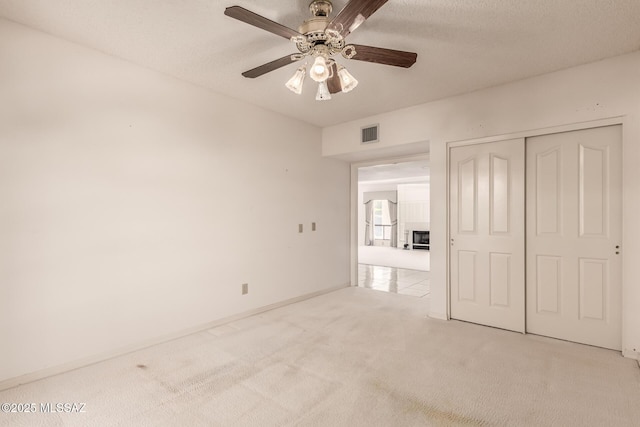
(462, 45)
(415, 171)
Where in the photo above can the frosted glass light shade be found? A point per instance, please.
(295, 83)
(319, 70)
(347, 81)
(323, 92)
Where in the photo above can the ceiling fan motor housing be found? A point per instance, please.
(316, 38)
(314, 25)
(320, 10)
(320, 7)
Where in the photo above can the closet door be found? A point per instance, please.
(574, 231)
(486, 227)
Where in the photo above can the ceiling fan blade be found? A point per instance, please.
(380, 55)
(353, 15)
(333, 83)
(244, 15)
(269, 66)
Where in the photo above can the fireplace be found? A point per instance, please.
(420, 240)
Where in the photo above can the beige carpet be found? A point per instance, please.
(355, 357)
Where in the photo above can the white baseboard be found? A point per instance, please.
(631, 355)
(439, 316)
(76, 364)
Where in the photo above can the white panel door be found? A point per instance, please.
(574, 231)
(486, 228)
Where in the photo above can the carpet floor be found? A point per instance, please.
(354, 357)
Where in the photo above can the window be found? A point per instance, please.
(381, 220)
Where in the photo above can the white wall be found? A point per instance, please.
(591, 92)
(133, 206)
(413, 210)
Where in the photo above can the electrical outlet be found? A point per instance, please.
(313, 226)
(300, 228)
(245, 288)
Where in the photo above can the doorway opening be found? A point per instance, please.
(392, 212)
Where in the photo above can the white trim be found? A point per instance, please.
(617, 120)
(439, 316)
(447, 256)
(81, 363)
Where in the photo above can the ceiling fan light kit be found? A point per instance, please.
(347, 81)
(323, 92)
(321, 38)
(295, 83)
(319, 70)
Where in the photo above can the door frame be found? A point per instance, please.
(353, 235)
(617, 120)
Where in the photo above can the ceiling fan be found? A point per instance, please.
(321, 38)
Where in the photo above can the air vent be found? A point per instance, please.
(370, 134)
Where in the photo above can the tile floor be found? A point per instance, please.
(394, 280)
